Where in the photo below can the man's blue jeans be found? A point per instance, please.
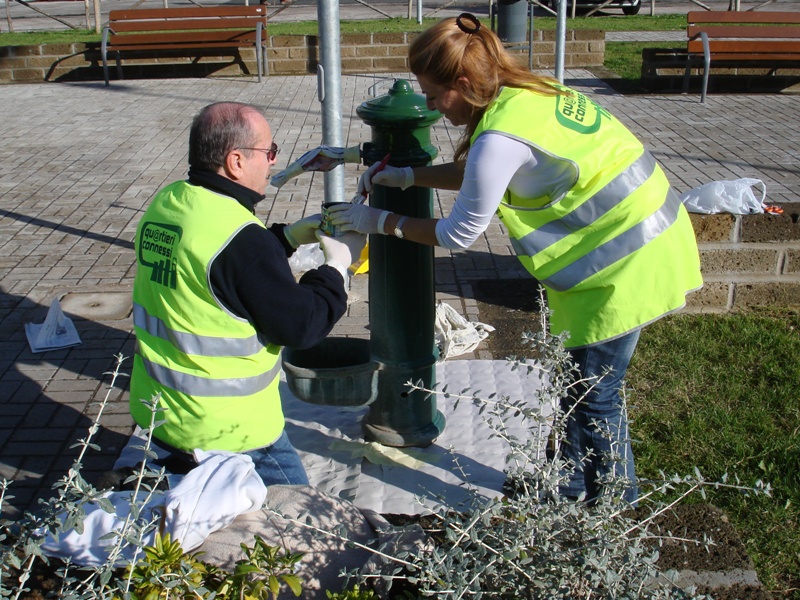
(602, 404)
(279, 463)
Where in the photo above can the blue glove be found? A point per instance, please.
(358, 217)
(303, 231)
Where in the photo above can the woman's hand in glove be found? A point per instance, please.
(303, 231)
(358, 217)
(401, 177)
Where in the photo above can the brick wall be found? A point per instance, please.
(748, 261)
(286, 55)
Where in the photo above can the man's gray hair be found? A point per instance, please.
(216, 130)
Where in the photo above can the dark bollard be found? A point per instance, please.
(512, 20)
(401, 284)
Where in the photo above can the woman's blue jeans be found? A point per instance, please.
(279, 463)
(598, 423)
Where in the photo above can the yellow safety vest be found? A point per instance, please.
(615, 250)
(217, 381)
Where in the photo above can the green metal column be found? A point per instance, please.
(401, 286)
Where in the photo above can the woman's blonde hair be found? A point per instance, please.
(462, 47)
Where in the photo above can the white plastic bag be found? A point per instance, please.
(454, 334)
(734, 196)
(305, 258)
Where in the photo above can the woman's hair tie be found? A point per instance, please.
(468, 23)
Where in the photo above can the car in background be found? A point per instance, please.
(629, 7)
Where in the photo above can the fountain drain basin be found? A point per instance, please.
(337, 372)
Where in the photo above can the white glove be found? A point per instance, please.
(358, 217)
(303, 231)
(402, 177)
(342, 251)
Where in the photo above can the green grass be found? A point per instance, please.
(34, 38)
(722, 393)
(625, 58)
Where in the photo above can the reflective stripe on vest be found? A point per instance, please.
(190, 343)
(621, 246)
(201, 386)
(616, 191)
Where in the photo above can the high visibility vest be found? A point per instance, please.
(614, 248)
(215, 380)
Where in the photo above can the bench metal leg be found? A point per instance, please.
(103, 51)
(259, 52)
(706, 65)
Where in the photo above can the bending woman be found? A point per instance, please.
(588, 210)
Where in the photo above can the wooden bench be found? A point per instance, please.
(162, 31)
(741, 39)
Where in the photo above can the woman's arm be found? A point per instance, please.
(493, 161)
(447, 176)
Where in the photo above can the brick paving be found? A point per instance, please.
(79, 162)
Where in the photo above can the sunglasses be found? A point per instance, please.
(271, 153)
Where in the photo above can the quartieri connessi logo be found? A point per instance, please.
(158, 244)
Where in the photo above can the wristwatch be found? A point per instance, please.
(398, 229)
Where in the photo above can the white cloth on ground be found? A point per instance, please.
(454, 334)
(223, 486)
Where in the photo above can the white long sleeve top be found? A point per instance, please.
(497, 162)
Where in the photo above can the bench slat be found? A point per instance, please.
(186, 13)
(747, 47)
(198, 24)
(761, 59)
(130, 42)
(702, 16)
(725, 31)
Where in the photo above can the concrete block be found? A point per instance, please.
(766, 293)
(288, 41)
(29, 74)
(713, 295)
(287, 67)
(390, 64)
(354, 65)
(713, 228)
(356, 39)
(772, 228)
(389, 39)
(740, 260)
(792, 261)
(277, 53)
(371, 51)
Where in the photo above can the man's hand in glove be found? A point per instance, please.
(358, 217)
(401, 177)
(303, 231)
(342, 251)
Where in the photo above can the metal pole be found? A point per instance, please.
(419, 12)
(561, 38)
(329, 90)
